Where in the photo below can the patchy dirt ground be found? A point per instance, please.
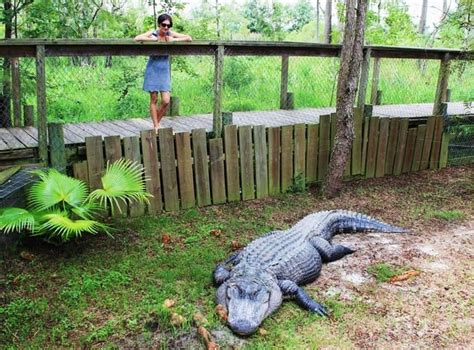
(432, 310)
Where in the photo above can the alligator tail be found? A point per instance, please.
(328, 223)
(347, 221)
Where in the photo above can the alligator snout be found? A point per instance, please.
(243, 327)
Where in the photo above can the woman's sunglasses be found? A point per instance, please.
(165, 25)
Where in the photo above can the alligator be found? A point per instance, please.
(253, 281)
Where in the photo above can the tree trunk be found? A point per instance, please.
(424, 11)
(327, 22)
(218, 24)
(445, 7)
(317, 21)
(351, 58)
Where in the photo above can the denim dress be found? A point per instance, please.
(157, 73)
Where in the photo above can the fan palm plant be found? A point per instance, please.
(61, 207)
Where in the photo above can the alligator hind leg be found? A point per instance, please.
(329, 252)
(302, 298)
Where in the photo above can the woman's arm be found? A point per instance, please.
(148, 36)
(178, 37)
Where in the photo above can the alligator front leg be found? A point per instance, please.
(302, 298)
(221, 272)
(329, 252)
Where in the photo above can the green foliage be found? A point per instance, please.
(61, 207)
(238, 73)
(383, 271)
(299, 184)
(447, 215)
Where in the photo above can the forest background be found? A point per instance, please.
(100, 88)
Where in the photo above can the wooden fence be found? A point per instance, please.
(191, 169)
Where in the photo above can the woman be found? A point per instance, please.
(157, 73)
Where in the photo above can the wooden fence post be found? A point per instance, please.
(442, 88)
(28, 115)
(218, 72)
(174, 106)
(16, 91)
(284, 82)
(376, 94)
(57, 150)
(41, 103)
(364, 78)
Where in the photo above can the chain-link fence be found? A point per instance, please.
(100, 88)
(96, 88)
(461, 144)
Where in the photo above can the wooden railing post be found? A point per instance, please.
(364, 78)
(16, 91)
(284, 82)
(218, 72)
(28, 115)
(41, 103)
(57, 149)
(375, 97)
(442, 87)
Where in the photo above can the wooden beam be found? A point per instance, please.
(442, 87)
(375, 81)
(16, 91)
(364, 79)
(41, 103)
(127, 47)
(218, 82)
(284, 81)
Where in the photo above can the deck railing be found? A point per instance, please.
(13, 51)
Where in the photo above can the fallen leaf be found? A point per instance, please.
(177, 319)
(262, 331)
(404, 276)
(212, 346)
(169, 303)
(199, 319)
(25, 255)
(166, 238)
(206, 336)
(215, 232)
(204, 333)
(221, 311)
(236, 245)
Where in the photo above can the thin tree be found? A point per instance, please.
(424, 11)
(327, 22)
(317, 21)
(351, 58)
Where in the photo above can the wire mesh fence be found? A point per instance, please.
(96, 88)
(461, 144)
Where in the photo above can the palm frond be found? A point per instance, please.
(16, 220)
(59, 225)
(123, 181)
(54, 188)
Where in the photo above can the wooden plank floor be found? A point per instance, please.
(23, 138)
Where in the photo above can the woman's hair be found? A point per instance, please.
(163, 17)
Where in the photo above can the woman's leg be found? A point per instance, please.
(154, 109)
(165, 101)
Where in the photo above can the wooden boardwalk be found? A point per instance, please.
(27, 137)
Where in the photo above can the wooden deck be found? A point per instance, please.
(27, 137)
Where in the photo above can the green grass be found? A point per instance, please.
(109, 293)
(447, 215)
(90, 91)
(382, 272)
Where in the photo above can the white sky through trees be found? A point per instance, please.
(414, 6)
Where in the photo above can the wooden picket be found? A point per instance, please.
(185, 170)
(274, 164)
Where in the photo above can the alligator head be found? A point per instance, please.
(249, 300)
